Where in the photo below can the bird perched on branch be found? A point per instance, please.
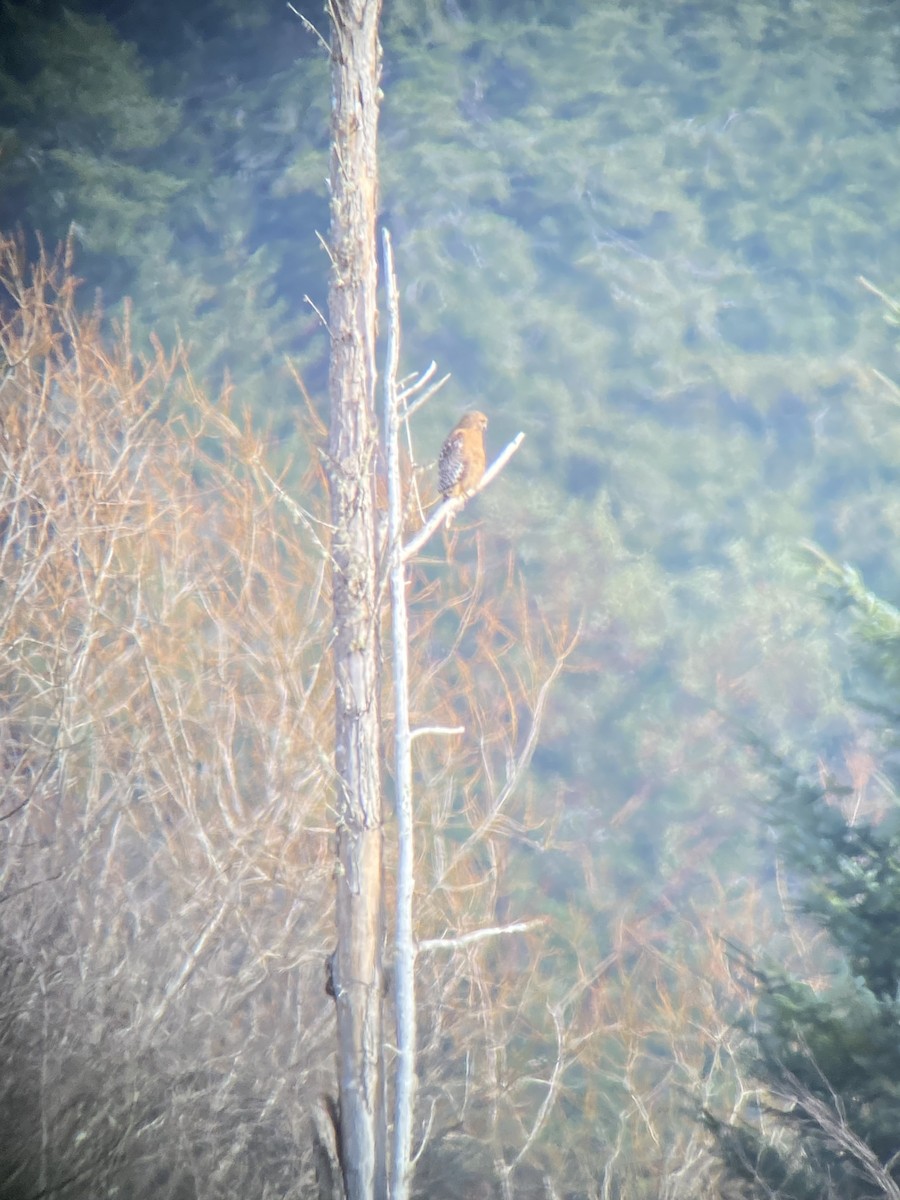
(462, 459)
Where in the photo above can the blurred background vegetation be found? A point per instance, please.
(661, 240)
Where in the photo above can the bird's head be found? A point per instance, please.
(473, 420)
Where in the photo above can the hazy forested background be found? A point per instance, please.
(638, 232)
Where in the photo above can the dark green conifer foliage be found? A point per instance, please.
(79, 122)
(184, 146)
(826, 1054)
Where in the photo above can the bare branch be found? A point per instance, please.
(549, 1099)
(310, 28)
(832, 1120)
(300, 515)
(438, 730)
(519, 765)
(477, 935)
(312, 304)
(423, 399)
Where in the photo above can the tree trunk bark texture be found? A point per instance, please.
(358, 967)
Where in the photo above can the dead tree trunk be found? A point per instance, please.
(357, 965)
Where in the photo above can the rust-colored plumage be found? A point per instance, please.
(462, 459)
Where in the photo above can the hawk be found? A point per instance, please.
(462, 458)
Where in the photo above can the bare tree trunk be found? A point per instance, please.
(404, 946)
(357, 967)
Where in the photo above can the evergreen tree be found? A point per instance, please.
(78, 128)
(184, 148)
(825, 1055)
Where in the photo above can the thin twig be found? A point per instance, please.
(312, 304)
(309, 27)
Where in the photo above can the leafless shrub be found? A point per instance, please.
(164, 864)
